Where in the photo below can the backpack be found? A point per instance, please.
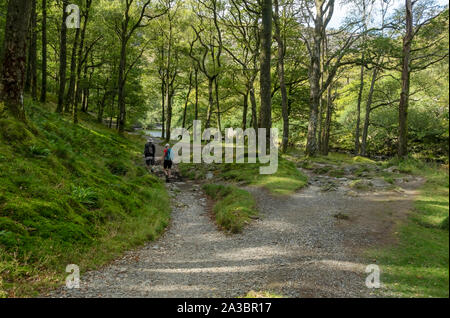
(169, 154)
(149, 149)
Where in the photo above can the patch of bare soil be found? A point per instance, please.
(367, 216)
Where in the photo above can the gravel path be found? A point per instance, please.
(298, 248)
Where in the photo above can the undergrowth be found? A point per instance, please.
(70, 194)
(234, 207)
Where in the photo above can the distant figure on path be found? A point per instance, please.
(167, 158)
(149, 154)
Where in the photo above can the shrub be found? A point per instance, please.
(117, 167)
(234, 207)
(86, 196)
(39, 151)
(62, 151)
(7, 224)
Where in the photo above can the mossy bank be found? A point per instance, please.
(70, 194)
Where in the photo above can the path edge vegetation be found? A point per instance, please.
(233, 209)
(285, 181)
(417, 265)
(70, 194)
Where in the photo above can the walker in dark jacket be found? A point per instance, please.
(149, 154)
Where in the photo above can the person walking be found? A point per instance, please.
(149, 154)
(167, 159)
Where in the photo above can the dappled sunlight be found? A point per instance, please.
(260, 253)
(343, 265)
(211, 270)
(388, 198)
(171, 288)
(303, 145)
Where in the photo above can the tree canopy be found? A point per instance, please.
(246, 63)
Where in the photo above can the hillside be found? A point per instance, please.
(70, 195)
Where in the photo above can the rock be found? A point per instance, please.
(361, 184)
(379, 183)
(209, 175)
(351, 193)
(351, 169)
(393, 169)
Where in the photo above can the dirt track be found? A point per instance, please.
(305, 245)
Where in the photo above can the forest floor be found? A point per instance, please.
(309, 243)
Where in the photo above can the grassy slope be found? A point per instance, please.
(234, 207)
(70, 194)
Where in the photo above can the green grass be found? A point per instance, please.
(70, 195)
(340, 158)
(234, 207)
(360, 185)
(286, 180)
(418, 266)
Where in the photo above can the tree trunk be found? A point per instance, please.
(80, 63)
(265, 115)
(121, 100)
(44, 53)
(27, 85)
(216, 87)
(33, 52)
(168, 84)
(211, 101)
(314, 98)
(163, 106)
(196, 94)
(85, 89)
(113, 100)
(358, 106)
(316, 91)
(314, 81)
(62, 60)
(254, 120)
(169, 99)
(321, 132)
(187, 99)
(14, 57)
(404, 96)
(327, 126)
(245, 111)
(280, 71)
(101, 107)
(368, 110)
(73, 64)
(31, 74)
